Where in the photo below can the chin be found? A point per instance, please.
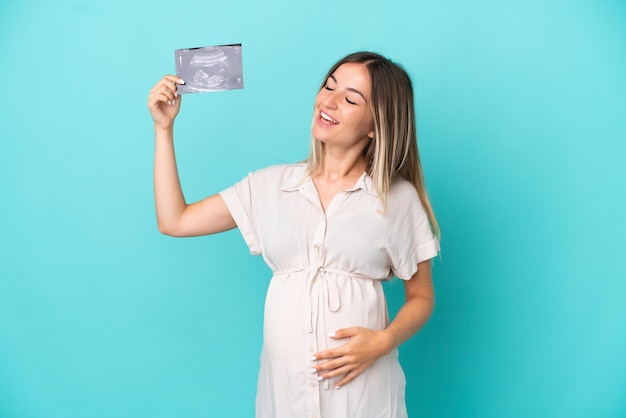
(321, 140)
(315, 134)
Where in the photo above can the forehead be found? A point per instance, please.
(353, 75)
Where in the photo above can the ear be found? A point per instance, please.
(371, 134)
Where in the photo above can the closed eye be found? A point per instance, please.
(350, 101)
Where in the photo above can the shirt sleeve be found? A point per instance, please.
(411, 239)
(240, 203)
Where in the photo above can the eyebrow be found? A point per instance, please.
(350, 88)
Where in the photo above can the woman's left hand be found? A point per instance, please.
(350, 359)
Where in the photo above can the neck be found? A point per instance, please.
(340, 165)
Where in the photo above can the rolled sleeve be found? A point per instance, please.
(238, 199)
(411, 240)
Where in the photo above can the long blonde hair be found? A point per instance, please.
(392, 153)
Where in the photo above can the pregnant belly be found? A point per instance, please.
(301, 310)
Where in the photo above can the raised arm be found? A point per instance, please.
(174, 216)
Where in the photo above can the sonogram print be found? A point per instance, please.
(212, 68)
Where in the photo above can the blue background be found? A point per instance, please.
(522, 125)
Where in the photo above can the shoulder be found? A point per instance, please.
(403, 198)
(277, 176)
(402, 192)
(280, 172)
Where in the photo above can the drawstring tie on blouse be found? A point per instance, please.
(329, 292)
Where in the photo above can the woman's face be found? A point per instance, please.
(342, 108)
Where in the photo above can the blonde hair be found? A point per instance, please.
(392, 153)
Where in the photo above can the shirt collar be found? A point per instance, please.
(298, 181)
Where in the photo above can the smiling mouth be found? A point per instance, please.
(328, 118)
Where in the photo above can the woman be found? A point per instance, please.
(331, 230)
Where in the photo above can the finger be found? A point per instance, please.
(173, 82)
(342, 350)
(174, 103)
(328, 370)
(162, 94)
(330, 354)
(168, 82)
(349, 377)
(344, 333)
(341, 371)
(165, 94)
(155, 99)
(169, 91)
(162, 84)
(174, 79)
(159, 95)
(327, 366)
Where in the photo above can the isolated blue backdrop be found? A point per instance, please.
(521, 111)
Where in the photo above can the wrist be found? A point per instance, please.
(387, 341)
(161, 130)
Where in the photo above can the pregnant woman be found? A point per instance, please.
(331, 229)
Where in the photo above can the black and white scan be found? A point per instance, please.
(211, 68)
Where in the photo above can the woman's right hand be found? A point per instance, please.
(164, 101)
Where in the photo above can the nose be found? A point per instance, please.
(331, 100)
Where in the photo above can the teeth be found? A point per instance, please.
(328, 118)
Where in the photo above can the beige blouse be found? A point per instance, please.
(327, 272)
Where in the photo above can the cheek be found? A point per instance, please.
(367, 122)
(319, 98)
